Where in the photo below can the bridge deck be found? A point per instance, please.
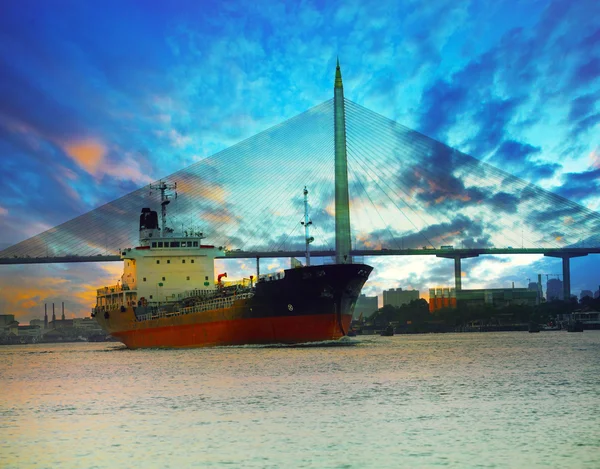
(450, 253)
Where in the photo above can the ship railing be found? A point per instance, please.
(112, 289)
(195, 293)
(214, 303)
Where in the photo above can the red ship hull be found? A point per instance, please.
(273, 330)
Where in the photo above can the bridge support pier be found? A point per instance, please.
(457, 274)
(566, 268)
(457, 266)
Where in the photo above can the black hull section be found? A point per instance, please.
(322, 289)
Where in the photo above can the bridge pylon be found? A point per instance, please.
(342, 208)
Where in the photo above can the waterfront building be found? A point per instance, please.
(496, 297)
(29, 331)
(60, 323)
(37, 322)
(8, 324)
(86, 325)
(441, 297)
(365, 305)
(399, 297)
(554, 289)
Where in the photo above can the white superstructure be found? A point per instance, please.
(164, 267)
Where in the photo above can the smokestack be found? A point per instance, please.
(53, 316)
(63, 311)
(45, 316)
(513, 285)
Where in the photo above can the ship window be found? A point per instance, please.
(206, 278)
(184, 244)
(174, 244)
(183, 261)
(150, 296)
(168, 261)
(195, 244)
(158, 261)
(160, 244)
(153, 244)
(192, 261)
(188, 278)
(144, 279)
(163, 278)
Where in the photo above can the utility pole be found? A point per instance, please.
(307, 238)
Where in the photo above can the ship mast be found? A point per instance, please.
(163, 187)
(307, 238)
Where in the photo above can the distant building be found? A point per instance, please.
(585, 293)
(554, 289)
(399, 297)
(60, 323)
(497, 297)
(365, 305)
(37, 322)
(6, 319)
(8, 324)
(441, 297)
(87, 325)
(29, 331)
(536, 287)
(597, 294)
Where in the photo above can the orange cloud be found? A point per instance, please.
(203, 189)
(595, 158)
(223, 217)
(89, 155)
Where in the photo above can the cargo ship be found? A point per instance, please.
(169, 295)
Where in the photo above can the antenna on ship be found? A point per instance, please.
(307, 238)
(163, 187)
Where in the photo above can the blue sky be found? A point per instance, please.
(100, 98)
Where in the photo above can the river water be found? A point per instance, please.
(490, 400)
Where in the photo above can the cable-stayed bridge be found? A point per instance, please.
(376, 188)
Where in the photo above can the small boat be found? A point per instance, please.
(388, 331)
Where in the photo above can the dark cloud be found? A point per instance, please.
(492, 118)
(441, 105)
(582, 106)
(517, 157)
(459, 230)
(583, 125)
(587, 72)
(537, 171)
(580, 186)
(513, 151)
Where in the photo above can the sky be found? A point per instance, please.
(98, 99)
